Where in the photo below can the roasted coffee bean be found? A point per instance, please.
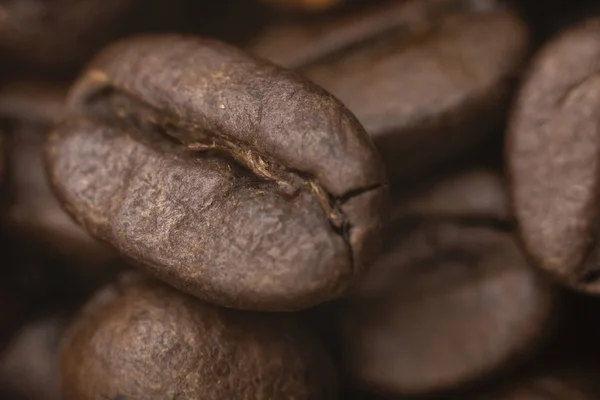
(227, 177)
(552, 152)
(451, 300)
(429, 80)
(144, 340)
(29, 366)
(448, 304)
(56, 34)
(33, 211)
(239, 182)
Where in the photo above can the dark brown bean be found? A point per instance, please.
(227, 177)
(552, 152)
(429, 80)
(58, 33)
(452, 299)
(448, 304)
(144, 340)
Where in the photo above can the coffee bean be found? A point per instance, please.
(33, 212)
(55, 34)
(249, 189)
(447, 305)
(227, 177)
(144, 340)
(429, 80)
(452, 299)
(552, 154)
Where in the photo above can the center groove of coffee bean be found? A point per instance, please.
(115, 107)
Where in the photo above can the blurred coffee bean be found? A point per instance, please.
(57, 34)
(54, 39)
(450, 302)
(139, 338)
(29, 366)
(33, 212)
(552, 152)
(429, 80)
(448, 305)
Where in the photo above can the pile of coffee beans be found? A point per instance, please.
(299, 199)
